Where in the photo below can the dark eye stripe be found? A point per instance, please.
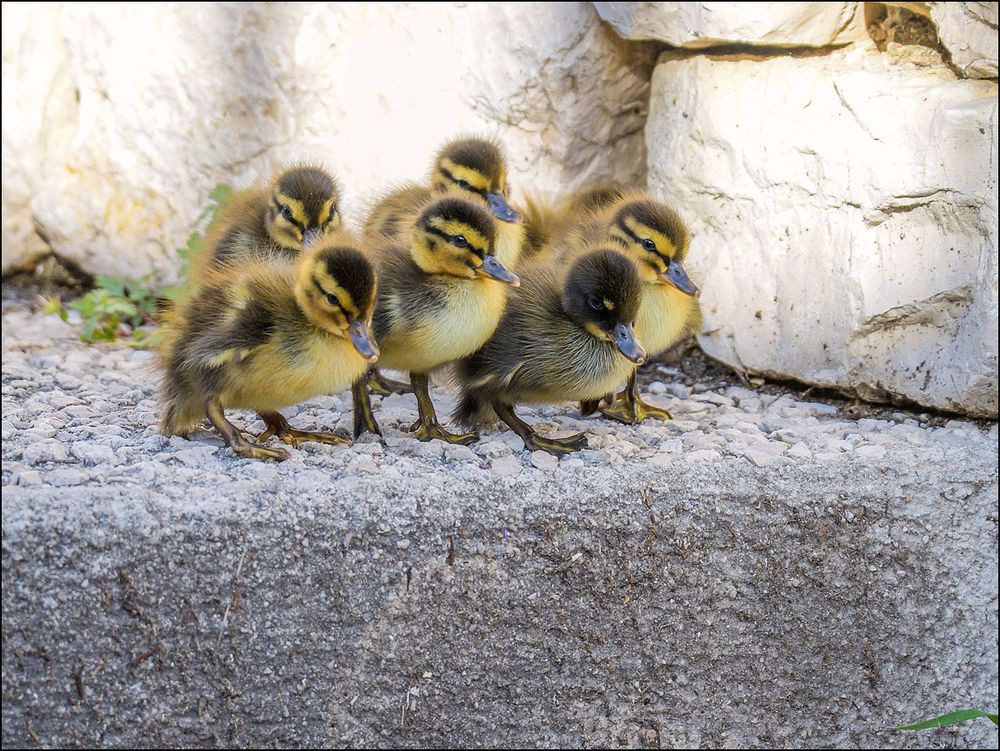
(447, 238)
(331, 298)
(638, 240)
(454, 179)
(293, 220)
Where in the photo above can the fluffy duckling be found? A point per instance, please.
(440, 297)
(655, 237)
(470, 167)
(566, 334)
(477, 169)
(290, 214)
(265, 334)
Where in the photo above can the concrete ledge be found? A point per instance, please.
(640, 601)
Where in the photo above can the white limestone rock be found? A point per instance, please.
(118, 120)
(700, 25)
(969, 31)
(844, 216)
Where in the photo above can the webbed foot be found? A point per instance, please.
(427, 430)
(632, 411)
(557, 446)
(278, 426)
(382, 386)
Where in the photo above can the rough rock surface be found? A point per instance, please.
(844, 210)
(699, 25)
(969, 32)
(117, 121)
(761, 571)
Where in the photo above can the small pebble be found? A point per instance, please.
(461, 454)
(66, 477)
(704, 455)
(505, 466)
(544, 461)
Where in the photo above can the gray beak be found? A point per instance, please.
(311, 236)
(627, 344)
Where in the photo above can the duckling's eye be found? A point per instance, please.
(287, 213)
(595, 303)
(649, 244)
(463, 184)
(332, 299)
(459, 241)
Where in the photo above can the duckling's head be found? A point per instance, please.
(477, 166)
(336, 289)
(601, 293)
(303, 207)
(596, 196)
(655, 237)
(458, 237)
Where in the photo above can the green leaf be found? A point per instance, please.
(191, 248)
(174, 293)
(221, 193)
(952, 718)
(144, 339)
(115, 286)
(88, 331)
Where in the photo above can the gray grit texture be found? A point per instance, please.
(760, 571)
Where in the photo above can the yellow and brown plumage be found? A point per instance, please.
(547, 222)
(265, 333)
(566, 334)
(440, 296)
(655, 237)
(292, 212)
(475, 169)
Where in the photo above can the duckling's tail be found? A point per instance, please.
(180, 414)
(542, 223)
(473, 412)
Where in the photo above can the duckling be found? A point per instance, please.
(440, 296)
(471, 167)
(566, 334)
(264, 334)
(477, 169)
(655, 237)
(290, 214)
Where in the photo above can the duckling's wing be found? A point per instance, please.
(232, 323)
(407, 296)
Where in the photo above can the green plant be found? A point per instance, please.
(116, 306)
(111, 306)
(217, 198)
(952, 718)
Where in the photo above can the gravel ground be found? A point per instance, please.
(76, 415)
(742, 483)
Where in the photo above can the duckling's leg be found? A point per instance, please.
(590, 406)
(278, 425)
(234, 438)
(427, 425)
(364, 419)
(379, 384)
(532, 440)
(628, 408)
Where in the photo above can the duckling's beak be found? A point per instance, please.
(501, 209)
(493, 269)
(624, 338)
(677, 276)
(311, 236)
(364, 342)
